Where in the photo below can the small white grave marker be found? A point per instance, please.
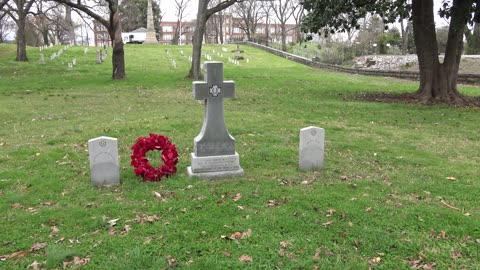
(311, 148)
(104, 165)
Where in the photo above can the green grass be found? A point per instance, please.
(385, 174)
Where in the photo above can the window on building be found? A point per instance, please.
(167, 37)
(167, 28)
(237, 30)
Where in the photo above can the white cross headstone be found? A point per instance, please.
(74, 61)
(42, 59)
(104, 165)
(311, 148)
(214, 148)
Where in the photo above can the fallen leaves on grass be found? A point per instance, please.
(237, 197)
(113, 222)
(125, 230)
(238, 235)
(34, 265)
(451, 178)
(328, 223)
(18, 254)
(54, 231)
(245, 258)
(172, 262)
(146, 218)
(375, 260)
(76, 261)
(330, 212)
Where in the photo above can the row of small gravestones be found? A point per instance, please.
(214, 153)
(100, 56)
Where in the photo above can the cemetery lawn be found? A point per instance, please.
(400, 187)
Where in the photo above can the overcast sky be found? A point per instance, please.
(168, 10)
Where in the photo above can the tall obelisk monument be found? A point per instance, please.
(150, 38)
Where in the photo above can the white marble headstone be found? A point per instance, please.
(312, 148)
(104, 165)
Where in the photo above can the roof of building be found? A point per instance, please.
(139, 30)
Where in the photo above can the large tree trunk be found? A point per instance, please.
(438, 81)
(21, 40)
(118, 59)
(195, 72)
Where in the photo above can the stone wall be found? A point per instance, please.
(409, 75)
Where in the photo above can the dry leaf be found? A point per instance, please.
(236, 235)
(456, 254)
(148, 240)
(350, 224)
(60, 240)
(241, 208)
(226, 253)
(330, 212)
(443, 234)
(375, 260)
(113, 222)
(451, 178)
(125, 230)
(328, 223)
(369, 209)
(246, 233)
(184, 210)
(55, 230)
(245, 258)
(172, 262)
(38, 246)
(467, 214)
(34, 265)
(316, 256)
(281, 252)
(237, 197)
(78, 261)
(112, 232)
(283, 244)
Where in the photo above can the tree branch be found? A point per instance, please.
(85, 9)
(221, 6)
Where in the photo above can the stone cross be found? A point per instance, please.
(104, 165)
(42, 59)
(311, 148)
(214, 138)
(214, 148)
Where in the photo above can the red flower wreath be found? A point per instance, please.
(141, 163)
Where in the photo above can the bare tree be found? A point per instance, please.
(283, 9)
(180, 6)
(18, 12)
(298, 15)
(96, 10)
(267, 14)
(250, 14)
(204, 13)
(6, 27)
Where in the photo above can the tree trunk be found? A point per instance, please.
(220, 18)
(404, 37)
(118, 59)
(284, 37)
(21, 40)
(195, 72)
(438, 81)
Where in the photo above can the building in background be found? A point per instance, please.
(225, 28)
(100, 35)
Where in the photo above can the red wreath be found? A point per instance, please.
(141, 163)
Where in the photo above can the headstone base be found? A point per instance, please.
(215, 167)
(150, 38)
